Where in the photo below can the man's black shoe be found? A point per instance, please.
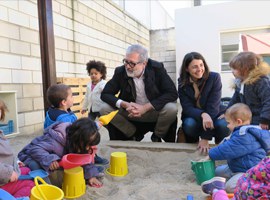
(155, 138)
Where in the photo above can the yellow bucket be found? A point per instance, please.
(118, 164)
(73, 183)
(45, 191)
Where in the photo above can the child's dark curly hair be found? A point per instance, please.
(99, 66)
(80, 134)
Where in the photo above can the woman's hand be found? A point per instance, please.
(207, 121)
(94, 182)
(14, 177)
(264, 126)
(221, 116)
(203, 146)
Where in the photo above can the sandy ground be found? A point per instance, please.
(153, 173)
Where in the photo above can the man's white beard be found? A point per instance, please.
(134, 73)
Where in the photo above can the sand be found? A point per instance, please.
(154, 173)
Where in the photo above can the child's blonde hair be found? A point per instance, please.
(3, 109)
(246, 62)
(239, 111)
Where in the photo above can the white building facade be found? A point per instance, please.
(206, 29)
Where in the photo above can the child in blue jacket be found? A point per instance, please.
(61, 100)
(247, 145)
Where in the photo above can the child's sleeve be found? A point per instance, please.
(5, 173)
(44, 157)
(85, 101)
(233, 148)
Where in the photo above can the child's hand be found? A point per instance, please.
(14, 177)
(221, 116)
(264, 126)
(20, 163)
(54, 165)
(204, 159)
(99, 124)
(94, 182)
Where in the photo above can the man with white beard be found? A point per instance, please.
(146, 95)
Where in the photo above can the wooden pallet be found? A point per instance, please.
(78, 87)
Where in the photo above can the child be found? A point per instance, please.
(254, 184)
(252, 86)
(92, 102)
(61, 100)
(62, 138)
(9, 168)
(247, 145)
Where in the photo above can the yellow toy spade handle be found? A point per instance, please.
(105, 119)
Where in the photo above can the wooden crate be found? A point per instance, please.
(78, 87)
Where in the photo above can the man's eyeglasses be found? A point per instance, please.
(131, 64)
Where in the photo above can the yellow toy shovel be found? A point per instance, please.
(105, 119)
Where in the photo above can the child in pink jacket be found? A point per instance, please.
(254, 184)
(9, 168)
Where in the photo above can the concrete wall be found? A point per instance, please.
(199, 28)
(84, 30)
(162, 45)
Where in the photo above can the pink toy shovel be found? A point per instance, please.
(74, 160)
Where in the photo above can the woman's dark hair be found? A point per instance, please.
(80, 134)
(184, 75)
(99, 66)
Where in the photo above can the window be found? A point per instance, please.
(231, 44)
(227, 53)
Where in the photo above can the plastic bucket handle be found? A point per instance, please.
(38, 188)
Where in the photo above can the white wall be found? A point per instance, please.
(149, 13)
(140, 10)
(198, 29)
(160, 19)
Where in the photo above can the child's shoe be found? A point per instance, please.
(100, 161)
(213, 183)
